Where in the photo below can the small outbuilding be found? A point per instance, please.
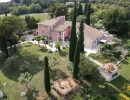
(109, 71)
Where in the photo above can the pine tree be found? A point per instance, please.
(47, 76)
(73, 37)
(88, 14)
(81, 36)
(76, 60)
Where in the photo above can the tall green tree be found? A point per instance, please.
(85, 9)
(116, 23)
(58, 9)
(8, 26)
(73, 37)
(88, 14)
(31, 22)
(47, 76)
(81, 36)
(80, 9)
(76, 60)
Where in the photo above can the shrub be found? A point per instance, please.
(23, 67)
(117, 53)
(2, 55)
(102, 48)
(49, 51)
(106, 61)
(12, 62)
(41, 59)
(116, 44)
(43, 49)
(16, 38)
(58, 44)
(109, 46)
(70, 66)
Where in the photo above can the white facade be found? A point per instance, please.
(109, 77)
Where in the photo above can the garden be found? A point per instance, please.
(28, 58)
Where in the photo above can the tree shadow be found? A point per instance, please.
(119, 82)
(51, 96)
(56, 74)
(32, 61)
(125, 62)
(43, 49)
(32, 94)
(63, 53)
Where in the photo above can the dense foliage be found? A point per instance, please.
(10, 25)
(77, 59)
(31, 22)
(73, 37)
(58, 9)
(81, 36)
(46, 76)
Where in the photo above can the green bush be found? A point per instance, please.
(43, 49)
(117, 53)
(116, 44)
(23, 67)
(49, 51)
(2, 55)
(109, 46)
(58, 44)
(70, 66)
(12, 62)
(102, 48)
(16, 38)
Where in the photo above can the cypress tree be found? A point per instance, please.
(80, 9)
(85, 9)
(47, 76)
(76, 60)
(88, 14)
(3, 43)
(81, 36)
(73, 37)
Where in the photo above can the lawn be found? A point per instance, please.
(40, 16)
(30, 53)
(124, 77)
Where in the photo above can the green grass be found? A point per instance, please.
(40, 16)
(124, 77)
(30, 53)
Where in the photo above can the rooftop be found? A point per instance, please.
(48, 22)
(90, 32)
(109, 67)
(63, 26)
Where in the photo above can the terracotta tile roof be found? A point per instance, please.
(90, 32)
(63, 26)
(110, 68)
(48, 22)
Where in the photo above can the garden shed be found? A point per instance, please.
(109, 71)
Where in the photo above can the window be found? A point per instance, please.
(42, 31)
(60, 33)
(114, 75)
(94, 41)
(49, 32)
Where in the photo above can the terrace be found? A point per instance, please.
(65, 86)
